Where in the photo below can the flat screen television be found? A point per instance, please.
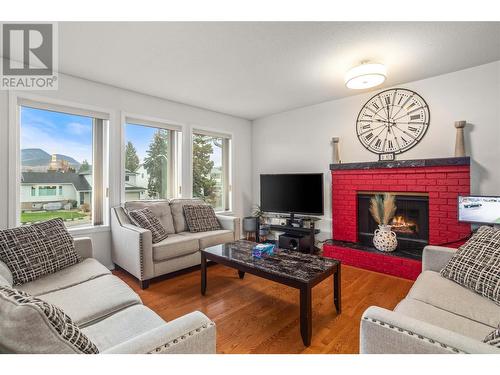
(300, 193)
(479, 209)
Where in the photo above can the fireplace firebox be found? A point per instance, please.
(410, 223)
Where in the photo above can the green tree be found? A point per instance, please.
(204, 186)
(156, 164)
(131, 157)
(84, 167)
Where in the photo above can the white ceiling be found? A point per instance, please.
(254, 69)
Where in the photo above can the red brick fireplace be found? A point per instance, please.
(441, 180)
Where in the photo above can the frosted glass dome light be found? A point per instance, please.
(365, 76)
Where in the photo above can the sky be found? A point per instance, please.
(71, 135)
(57, 133)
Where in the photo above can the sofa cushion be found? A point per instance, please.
(493, 338)
(435, 290)
(144, 218)
(36, 250)
(441, 318)
(160, 208)
(174, 246)
(123, 326)
(93, 300)
(86, 270)
(476, 264)
(200, 218)
(5, 275)
(176, 206)
(215, 237)
(31, 325)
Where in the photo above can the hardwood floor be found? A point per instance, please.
(254, 315)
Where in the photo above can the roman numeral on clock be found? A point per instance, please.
(364, 127)
(369, 136)
(377, 144)
(375, 105)
(390, 143)
(413, 129)
(414, 117)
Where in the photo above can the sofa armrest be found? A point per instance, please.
(193, 333)
(385, 331)
(132, 247)
(83, 246)
(434, 258)
(231, 223)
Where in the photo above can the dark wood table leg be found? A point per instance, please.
(241, 274)
(203, 274)
(336, 290)
(306, 314)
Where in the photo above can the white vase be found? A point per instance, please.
(385, 239)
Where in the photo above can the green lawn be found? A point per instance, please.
(32, 217)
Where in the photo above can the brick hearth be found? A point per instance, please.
(442, 179)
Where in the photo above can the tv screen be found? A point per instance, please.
(292, 193)
(479, 209)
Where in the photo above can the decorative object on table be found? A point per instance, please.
(336, 150)
(258, 213)
(262, 249)
(383, 208)
(250, 227)
(460, 139)
(264, 231)
(392, 122)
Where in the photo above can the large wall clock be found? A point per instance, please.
(392, 122)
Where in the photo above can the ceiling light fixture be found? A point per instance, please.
(365, 76)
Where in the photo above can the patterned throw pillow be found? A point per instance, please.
(476, 264)
(144, 218)
(36, 250)
(57, 320)
(493, 338)
(200, 218)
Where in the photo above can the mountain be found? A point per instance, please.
(33, 157)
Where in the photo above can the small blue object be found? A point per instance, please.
(263, 249)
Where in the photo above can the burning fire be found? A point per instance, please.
(400, 224)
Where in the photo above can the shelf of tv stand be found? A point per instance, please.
(291, 229)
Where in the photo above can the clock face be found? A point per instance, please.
(392, 122)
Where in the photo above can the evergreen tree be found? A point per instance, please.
(84, 167)
(131, 157)
(204, 186)
(156, 163)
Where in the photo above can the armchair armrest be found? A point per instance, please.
(385, 331)
(83, 246)
(434, 258)
(132, 246)
(231, 223)
(193, 333)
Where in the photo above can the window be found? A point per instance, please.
(152, 160)
(211, 169)
(61, 156)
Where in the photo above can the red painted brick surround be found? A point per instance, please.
(442, 183)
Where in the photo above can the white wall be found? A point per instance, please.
(87, 93)
(299, 140)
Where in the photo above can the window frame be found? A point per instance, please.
(176, 140)
(16, 101)
(227, 165)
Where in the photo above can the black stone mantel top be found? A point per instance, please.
(450, 162)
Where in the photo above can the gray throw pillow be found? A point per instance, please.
(493, 338)
(201, 218)
(144, 218)
(36, 250)
(476, 264)
(30, 325)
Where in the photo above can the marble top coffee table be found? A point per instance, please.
(291, 268)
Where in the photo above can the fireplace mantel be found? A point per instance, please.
(415, 163)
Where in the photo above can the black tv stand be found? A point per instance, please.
(296, 226)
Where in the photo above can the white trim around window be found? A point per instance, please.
(16, 100)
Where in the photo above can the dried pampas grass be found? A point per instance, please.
(383, 208)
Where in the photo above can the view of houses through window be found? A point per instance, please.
(56, 172)
(211, 172)
(151, 162)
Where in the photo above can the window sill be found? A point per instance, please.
(88, 230)
(224, 213)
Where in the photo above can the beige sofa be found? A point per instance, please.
(107, 311)
(437, 316)
(133, 250)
